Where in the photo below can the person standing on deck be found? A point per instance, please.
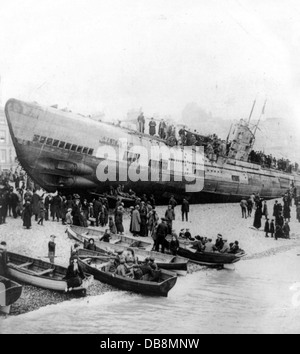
(185, 209)
(152, 127)
(141, 123)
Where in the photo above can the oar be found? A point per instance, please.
(98, 257)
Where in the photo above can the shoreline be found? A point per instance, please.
(34, 243)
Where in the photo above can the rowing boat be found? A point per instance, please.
(209, 258)
(10, 292)
(42, 274)
(128, 241)
(163, 260)
(94, 263)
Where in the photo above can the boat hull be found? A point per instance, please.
(164, 261)
(60, 160)
(30, 277)
(10, 292)
(136, 286)
(209, 258)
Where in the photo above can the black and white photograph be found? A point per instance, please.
(149, 169)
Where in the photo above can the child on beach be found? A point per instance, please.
(69, 217)
(51, 249)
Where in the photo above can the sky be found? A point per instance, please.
(112, 56)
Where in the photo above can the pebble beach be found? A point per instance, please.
(205, 220)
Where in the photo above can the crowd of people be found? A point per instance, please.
(260, 158)
(212, 144)
(277, 226)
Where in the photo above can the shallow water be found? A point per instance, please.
(259, 296)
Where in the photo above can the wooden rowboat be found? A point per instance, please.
(128, 241)
(165, 261)
(41, 274)
(209, 258)
(10, 292)
(96, 267)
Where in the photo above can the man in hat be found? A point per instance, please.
(162, 232)
(51, 249)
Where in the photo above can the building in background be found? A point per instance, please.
(7, 150)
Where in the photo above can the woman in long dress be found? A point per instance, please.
(257, 217)
(27, 214)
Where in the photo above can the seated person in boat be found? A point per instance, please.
(74, 274)
(219, 243)
(225, 248)
(3, 258)
(106, 237)
(121, 269)
(144, 271)
(130, 261)
(91, 245)
(198, 244)
(181, 233)
(152, 263)
(174, 245)
(209, 247)
(188, 235)
(235, 248)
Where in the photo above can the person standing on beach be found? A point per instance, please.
(272, 228)
(51, 249)
(136, 221)
(35, 205)
(249, 207)
(173, 202)
(170, 217)
(265, 209)
(27, 214)
(185, 209)
(161, 232)
(276, 209)
(286, 230)
(267, 228)
(243, 205)
(3, 258)
(41, 214)
(258, 215)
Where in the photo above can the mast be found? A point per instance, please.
(254, 103)
(261, 115)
